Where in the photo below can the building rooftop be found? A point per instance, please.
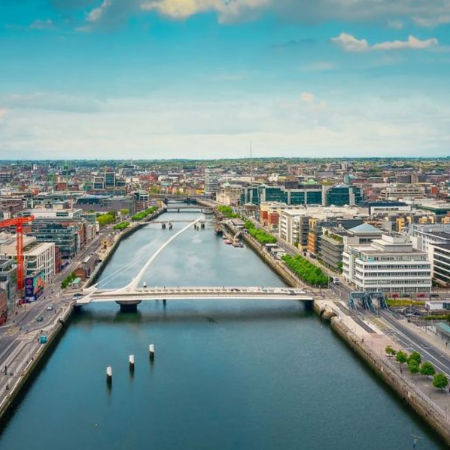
(365, 228)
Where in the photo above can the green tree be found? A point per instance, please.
(401, 358)
(124, 212)
(390, 351)
(413, 366)
(416, 357)
(427, 369)
(440, 381)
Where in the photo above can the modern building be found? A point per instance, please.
(295, 224)
(3, 307)
(341, 195)
(306, 194)
(389, 264)
(440, 263)
(38, 257)
(211, 181)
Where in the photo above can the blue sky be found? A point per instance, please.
(203, 78)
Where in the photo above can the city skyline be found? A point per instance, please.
(204, 78)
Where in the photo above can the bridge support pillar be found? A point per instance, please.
(129, 306)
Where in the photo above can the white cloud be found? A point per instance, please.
(42, 24)
(151, 127)
(431, 22)
(412, 43)
(97, 13)
(425, 13)
(227, 10)
(350, 43)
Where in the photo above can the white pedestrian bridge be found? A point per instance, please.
(129, 296)
(132, 297)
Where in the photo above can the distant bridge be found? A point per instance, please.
(188, 208)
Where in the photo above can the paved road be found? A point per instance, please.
(411, 341)
(26, 318)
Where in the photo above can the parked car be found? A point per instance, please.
(77, 296)
(421, 295)
(39, 319)
(434, 295)
(49, 307)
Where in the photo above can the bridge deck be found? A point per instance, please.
(195, 293)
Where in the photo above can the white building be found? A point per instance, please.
(294, 223)
(211, 181)
(389, 264)
(38, 257)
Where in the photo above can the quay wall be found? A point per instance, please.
(408, 393)
(43, 352)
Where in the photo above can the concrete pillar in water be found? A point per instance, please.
(151, 350)
(129, 306)
(109, 374)
(131, 362)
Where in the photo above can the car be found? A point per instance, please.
(77, 296)
(39, 319)
(404, 295)
(421, 295)
(49, 307)
(434, 295)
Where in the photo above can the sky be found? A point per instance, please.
(209, 78)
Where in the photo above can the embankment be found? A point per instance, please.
(29, 372)
(409, 394)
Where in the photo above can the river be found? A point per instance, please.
(227, 374)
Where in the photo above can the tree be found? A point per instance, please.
(401, 358)
(413, 366)
(416, 357)
(427, 369)
(440, 381)
(124, 212)
(390, 351)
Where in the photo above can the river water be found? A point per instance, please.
(227, 374)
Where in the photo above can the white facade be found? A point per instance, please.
(211, 181)
(38, 257)
(389, 264)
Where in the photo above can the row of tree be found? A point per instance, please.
(305, 270)
(415, 365)
(144, 214)
(227, 211)
(260, 235)
(121, 226)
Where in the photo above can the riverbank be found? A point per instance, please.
(38, 355)
(408, 393)
(32, 359)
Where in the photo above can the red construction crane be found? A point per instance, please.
(18, 222)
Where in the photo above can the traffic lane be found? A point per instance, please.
(410, 340)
